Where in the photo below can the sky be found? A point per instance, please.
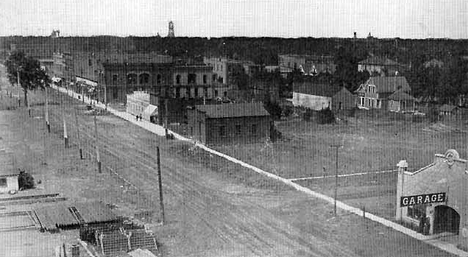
(251, 18)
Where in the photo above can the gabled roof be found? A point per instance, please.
(233, 110)
(401, 96)
(378, 60)
(447, 108)
(389, 84)
(318, 89)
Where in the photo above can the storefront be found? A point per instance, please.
(433, 200)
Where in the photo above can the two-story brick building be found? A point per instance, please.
(229, 123)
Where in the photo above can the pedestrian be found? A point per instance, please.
(136, 116)
(141, 117)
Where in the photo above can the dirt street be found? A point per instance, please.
(213, 208)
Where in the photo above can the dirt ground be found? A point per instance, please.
(212, 207)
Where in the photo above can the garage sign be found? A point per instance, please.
(422, 199)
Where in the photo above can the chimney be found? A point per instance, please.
(355, 35)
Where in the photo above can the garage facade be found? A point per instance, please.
(433, 200)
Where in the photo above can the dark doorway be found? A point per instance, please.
(446, 219)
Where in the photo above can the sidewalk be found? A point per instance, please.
(159, 130)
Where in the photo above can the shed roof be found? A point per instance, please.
(389, 84)
(319, 89)
(233, 110)
(60, 215)
(401, 96)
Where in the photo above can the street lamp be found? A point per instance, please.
(337, 146)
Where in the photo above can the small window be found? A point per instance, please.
(214, 77)
(3, 182)
(238, 129)
(158, 79)
(115, 78)
(222, 131)
(205, 79)
(90, 62)
(178, 79)
(254, 129)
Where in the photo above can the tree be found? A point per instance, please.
(31, 76)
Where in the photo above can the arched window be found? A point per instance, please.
(131, 78)
(144, 78)
(177, 78)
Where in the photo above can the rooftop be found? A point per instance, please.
(233, 110)
(389, 84)
(319, 89)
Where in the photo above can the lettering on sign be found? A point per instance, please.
(422, 199)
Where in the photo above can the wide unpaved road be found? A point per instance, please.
(211, 210)
(207, 214)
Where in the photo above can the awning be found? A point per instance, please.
(150, 111)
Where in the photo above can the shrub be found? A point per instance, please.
(308, 114)
(325, 116)
(273, 109)
(275, 134)
(25, 180)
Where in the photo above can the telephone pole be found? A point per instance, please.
(336, 178)
(161, 202)
(47, 110)
(78, 135)
(96, 141)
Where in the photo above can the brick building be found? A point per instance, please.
(229, 123)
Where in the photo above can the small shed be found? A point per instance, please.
(448, 109)
(8, 182)
(401, 101)
(229, 123)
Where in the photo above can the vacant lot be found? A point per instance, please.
(370, 142)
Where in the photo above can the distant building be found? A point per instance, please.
(8, 182)
(229, 123)
(449, 110)
(317, 97)
(388, 93)
(224, 68)
(307, 64)
(170, 32)
(433, 63)
(194, 81)
(137, 102)
(381, 66)
(120, 79)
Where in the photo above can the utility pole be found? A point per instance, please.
(166, 115)
(47, 110)
(78, 135)
(336, 178)
(65, 134)
(96, 141)
(161, 202)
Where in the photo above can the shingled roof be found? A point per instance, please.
(389, 84)
(401, 96)
(318, 89)
(233, 110)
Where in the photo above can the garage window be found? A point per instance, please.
(417, 211)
